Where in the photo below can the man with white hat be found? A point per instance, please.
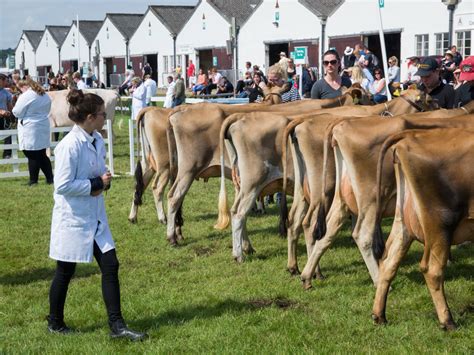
(349, 58)
(465, 93)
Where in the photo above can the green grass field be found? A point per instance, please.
(196, 299)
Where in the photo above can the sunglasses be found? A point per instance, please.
(332, 62)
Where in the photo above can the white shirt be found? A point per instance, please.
(32, 111)
(150, 86)
(169, 95)
(81, 85)
(79, 219)
(138, 100)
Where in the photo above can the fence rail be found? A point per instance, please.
(15, 161)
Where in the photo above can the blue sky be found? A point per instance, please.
(19, 15)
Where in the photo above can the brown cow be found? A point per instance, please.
(435, 205)
(307, 149)
(196, 132)
(356, 146)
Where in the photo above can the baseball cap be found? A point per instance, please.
(467, 69)
(427, 66)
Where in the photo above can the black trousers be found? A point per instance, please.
(109, 266)
(37, 159)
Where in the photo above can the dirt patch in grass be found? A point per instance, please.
(203, 251)
(279, 302)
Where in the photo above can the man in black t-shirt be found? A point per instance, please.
(431, 84)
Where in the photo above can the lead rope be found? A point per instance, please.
(387, 112)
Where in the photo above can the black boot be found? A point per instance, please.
(58, 326)
(120, 330)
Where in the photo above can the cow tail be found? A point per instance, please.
(139, 185)
(223, 214)
(289, 130)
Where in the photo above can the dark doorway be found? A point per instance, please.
(392, 45)
(153, 60)
(109, 69)
(205, 59)
(274, 50)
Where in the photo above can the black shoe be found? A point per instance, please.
(120, 330)
(58, 326)
(32, 183)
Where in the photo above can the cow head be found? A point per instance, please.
(272, 93)
(358, 94)
(419, 99)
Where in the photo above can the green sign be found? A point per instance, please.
(300, 53)
(115, 68)
(214, 61)
(381, 3)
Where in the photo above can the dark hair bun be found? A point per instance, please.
(75, 97)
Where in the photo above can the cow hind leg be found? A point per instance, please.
(159, 185)
(240, 241)
(437, 258)
(295, 219)
(398, 244)
(141, 185)
(175, 200)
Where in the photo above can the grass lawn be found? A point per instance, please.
(196, 299)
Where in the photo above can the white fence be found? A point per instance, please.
(14, 162)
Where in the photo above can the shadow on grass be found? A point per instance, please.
(26, 277)
(183, 315)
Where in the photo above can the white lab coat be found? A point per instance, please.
(170, 95)
(138, 100)
(32, 112)
(78, 218)
(150, 86)
(81, 85)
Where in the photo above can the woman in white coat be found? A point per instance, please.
(79, 227)
(138, 92)
(32, 110)
(170, 93)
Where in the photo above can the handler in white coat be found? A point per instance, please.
(32, 110)
(79, 227)
(170, 93)
(138, 92)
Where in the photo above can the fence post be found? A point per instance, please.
(131, 135)
(110, 146)
(16, 167)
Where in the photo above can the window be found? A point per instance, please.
(178, 58)
(171, 62)
(463, 41)
(422, 45)
(442, 43)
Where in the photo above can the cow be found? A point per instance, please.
(196, 132)
(356, 144)
(434, 205)
(307, 137)
(154, 165)
(58, 115)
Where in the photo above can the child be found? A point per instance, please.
(79, 227)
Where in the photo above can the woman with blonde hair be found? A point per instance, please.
(362, 76)
(393, 75)
(32, 110)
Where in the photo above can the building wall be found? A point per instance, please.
(152, 37)
(47, 53)
(69, 52)
(25, 46)
(296, 23)
(111, 43)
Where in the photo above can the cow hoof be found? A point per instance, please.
(379, 320)
(133, 220)
(449, 326)
(249, 251)
(319, 276)
(162, 221)
(239, 259)
(307, 285)
(173, 242)
(294, 271)
(180, 237)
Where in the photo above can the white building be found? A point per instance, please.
(25, 52)
(204, 37)
(73, 47)
(153, 41)
(113, 40)
(48, 53)
(279, 26)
